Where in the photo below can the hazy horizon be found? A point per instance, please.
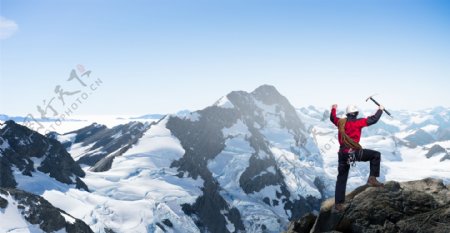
(361, 104)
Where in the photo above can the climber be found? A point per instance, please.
(350, 150)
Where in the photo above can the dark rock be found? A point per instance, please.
(266, 200)
(445, 157)
(251, 181)
(434, 221)
(415, 206)
(106, 144)
(275, 202)
(203, 140)
(435, 149)
(3, 203)
(303, 225)
(7, 179)
(26, 145)
(77, 227)
(109, 230)
(105, 163)
(320, 185)
(161, 227)
(431, 186)
(38, 211)
(83, 134)
(167, 222)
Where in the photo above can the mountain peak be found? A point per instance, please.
(30, 152)
(266, 88)
(258, 129)
(269, 95)
(10, 124)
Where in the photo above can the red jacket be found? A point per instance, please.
(354, 126)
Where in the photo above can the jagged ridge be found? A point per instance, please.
(102, 144)
(203, 140)
(29, 151)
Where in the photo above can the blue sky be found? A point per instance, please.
(164, 56)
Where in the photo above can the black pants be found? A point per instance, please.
(343, 168)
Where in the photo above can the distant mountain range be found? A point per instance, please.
(4, 117)
(249, 163)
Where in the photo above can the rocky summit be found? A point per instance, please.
(26, 152)
(414, 206)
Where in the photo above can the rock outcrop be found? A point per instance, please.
(28, 151)
(436, 150)
(414, 206)
(101, 144)
(37, 212)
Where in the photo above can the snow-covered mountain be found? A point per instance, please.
(76, 122)
(243, 149)
(242, 164)
(97, 145)
(25, 153)
(29, 160)
(250, 162)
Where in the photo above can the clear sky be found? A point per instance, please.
(160, 56)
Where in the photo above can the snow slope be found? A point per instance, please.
(138, 193)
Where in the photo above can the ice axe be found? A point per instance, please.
(371, 98)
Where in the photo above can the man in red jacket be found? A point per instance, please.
(350, 149)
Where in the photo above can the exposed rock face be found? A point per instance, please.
(203, 139)
(415, 206)
(437, 149)
(305, 224)
(102, 144)
(420, 137)
(29, 151)
(37, 211)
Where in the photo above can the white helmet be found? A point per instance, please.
(352, 109)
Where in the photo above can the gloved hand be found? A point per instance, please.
(381, 107)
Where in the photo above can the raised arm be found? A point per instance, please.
(333, 117)
(374, 118)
